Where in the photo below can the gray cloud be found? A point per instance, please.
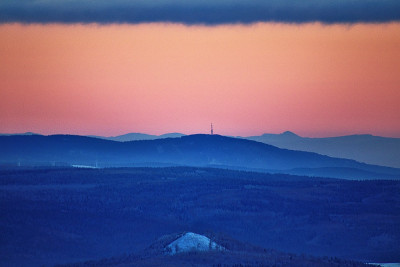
(209, 12)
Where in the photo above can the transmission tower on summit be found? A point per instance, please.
(212, 130)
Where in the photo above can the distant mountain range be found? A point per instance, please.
(120, 138)
(364, 148)
(138, 136)
(27, 133)
(376, 150)
(192, 150)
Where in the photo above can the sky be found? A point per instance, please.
(317, 68)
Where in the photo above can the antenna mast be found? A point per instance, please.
(212, 130)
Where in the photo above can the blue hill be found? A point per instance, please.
(191, 150)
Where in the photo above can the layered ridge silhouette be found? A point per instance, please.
(191, 150)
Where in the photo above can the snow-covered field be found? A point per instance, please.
(192, 242)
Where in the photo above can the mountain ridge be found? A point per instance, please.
(137, 136)
(377, 150)
(366, 148)
(191, 150)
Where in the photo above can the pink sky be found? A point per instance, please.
(312, 79)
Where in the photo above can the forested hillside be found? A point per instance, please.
(51, 216)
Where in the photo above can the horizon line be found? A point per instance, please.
(205, 133)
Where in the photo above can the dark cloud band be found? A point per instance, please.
(199, 12)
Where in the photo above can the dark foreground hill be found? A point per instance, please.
(193, 150)
(60, 216)
(233, 253)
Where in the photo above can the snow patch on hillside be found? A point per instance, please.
(192, 242)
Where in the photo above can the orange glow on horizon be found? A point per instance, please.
(313, 79)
